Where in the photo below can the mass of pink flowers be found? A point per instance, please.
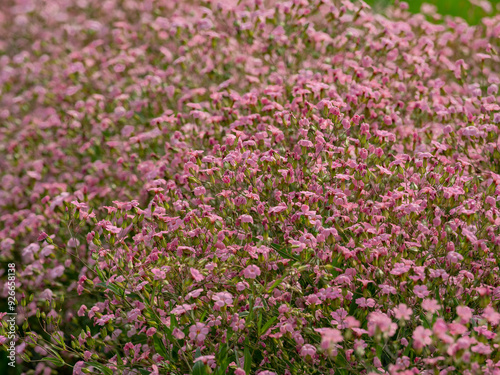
(249, 187)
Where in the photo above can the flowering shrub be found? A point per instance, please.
(252, 187)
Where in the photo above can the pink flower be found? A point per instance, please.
(82, 310)
(403, 312)
(77, 369)
(363, 153)
(198, 332)
(363, 302)
(283, 309)
(329, 337)
(200, 190)
(308, 350)
(378, 321)
(156, 370)
(246, 219)
(222, 299)
(105, 319)
(346, 124)
(197, 276)
(482, 348)
(151, 331)
(366, 61)
(305, 143)
(178, 334)
(194, 293)
(454, 257)
(251, 272)
(491, 315)
(159, 274)
(352, 322)
(181, 309)
(430, 305)
(241, 286)
(421, 291)
(399, 269)
(465, 313)
(206, 359)
(421, 337)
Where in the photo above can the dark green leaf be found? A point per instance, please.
(58, 362)
(248, 359)
(199, 368)
(267, 325)
(160, 347)
(100, 367)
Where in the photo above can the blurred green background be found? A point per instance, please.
(460, 8)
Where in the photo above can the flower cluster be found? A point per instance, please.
(250, 187)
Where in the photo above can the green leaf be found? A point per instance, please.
(248, 359)
(222, 360)
(267, 325)
(114, 288)
(425, 322)
(275, 284)
(408, 347)
(100, 367)
(160, 347)
(58, 362)
(283, 253)
(173, 321)
(203, 316)
(197, 353)
(199, 368)
(250, 309)
(101, 274)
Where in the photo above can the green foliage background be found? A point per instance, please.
(458, 8)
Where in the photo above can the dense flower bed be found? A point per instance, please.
(252, 187)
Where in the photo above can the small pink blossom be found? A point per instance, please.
(378, 321)
(308, 350)
(77, 369)
(151, 331)
(329, 337)
(246, 219)
(465, 313)
(200, 190)
(197, 276)
(364, 302)
(251, 272)
(421, 291)
(421, 337)
(403, 312)
(222, 299)
(198, 332)
(178, 334)
(206, 359)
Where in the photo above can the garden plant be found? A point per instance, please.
(248, 187)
